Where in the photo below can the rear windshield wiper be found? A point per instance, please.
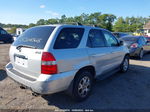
(26, 46)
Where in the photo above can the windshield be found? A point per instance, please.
(35, 37)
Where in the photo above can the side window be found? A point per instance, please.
(96, 39)
(69, 38)
(111, 40)
(3, 32)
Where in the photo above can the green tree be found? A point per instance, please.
(41, 22)
(31, 25)
(119, 25)
(106, 21)
(13, 30)
(52, 21)
(63, 19)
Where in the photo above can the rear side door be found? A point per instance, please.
(117, 54)
(67, 51)
(98, 51)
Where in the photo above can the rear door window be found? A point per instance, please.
(69, 38)
(35, 37)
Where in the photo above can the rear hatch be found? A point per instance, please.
(26, 51)
(128, 41)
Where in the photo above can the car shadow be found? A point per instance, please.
(1, 43)
(3, 74)
(145, 58)
(120, 91)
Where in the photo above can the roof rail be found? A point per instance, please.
(92, 25)
(79, 24)
(73, 23)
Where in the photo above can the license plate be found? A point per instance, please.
(21, 62)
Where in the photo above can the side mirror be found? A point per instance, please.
(121, 43)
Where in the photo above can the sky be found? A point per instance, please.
(30, 11)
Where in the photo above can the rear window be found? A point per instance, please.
(35, 37)
(69, 38)
(133, 39)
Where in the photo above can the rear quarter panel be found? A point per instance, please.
(71, 59)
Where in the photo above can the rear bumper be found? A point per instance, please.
(134, 52)
(44, 84)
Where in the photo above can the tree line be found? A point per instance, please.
(107, 21)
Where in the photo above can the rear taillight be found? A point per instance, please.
(135, 45)
(48, 65)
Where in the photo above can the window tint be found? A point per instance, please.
(111, 40)
(36, 37)
(69, 38)
(96, 39)
(3, 32)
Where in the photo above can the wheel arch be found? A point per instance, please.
(89, 68)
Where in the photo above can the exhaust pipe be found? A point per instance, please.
(23, 87)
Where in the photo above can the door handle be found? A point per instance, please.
(97, 55)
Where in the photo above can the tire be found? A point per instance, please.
(82, 86)
(125, 64)
(141, 54)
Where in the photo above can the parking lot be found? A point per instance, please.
(120, 91)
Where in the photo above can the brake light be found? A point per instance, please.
(135, 45)
(48, 65)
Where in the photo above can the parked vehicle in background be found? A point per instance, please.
(5, 37)
(15, 36)
(120, 34)
(138, 45)
(53, 58)
(139, 32)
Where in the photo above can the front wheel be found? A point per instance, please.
(125, 64)
(82, 85)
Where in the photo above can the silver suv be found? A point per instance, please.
(53, 58)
